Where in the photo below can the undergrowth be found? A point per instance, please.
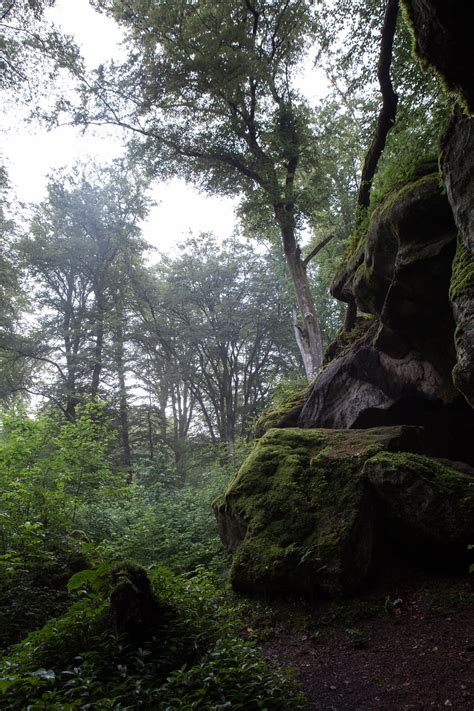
(194, 659)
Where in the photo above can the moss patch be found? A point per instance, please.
(305, 509)
(427, 501)
(285, 414)
(462, 279)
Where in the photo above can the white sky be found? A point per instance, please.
(30, 153)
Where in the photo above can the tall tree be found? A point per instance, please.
(214, 315)
(207, 90)
(84, 237)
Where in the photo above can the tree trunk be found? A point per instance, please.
(99, 344)
(309, 340)
(388, 110)
(71, 359)
(122, 393)
(385, 121)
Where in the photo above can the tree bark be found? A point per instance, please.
(122, 393)
(388, 111)
(99, 344)
(310, 341)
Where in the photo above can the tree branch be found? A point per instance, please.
(317, 249)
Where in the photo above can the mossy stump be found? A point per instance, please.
(135, 611)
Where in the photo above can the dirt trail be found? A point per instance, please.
(408, 646)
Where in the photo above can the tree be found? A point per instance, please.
(217, 334)
(84, 239)
(32, 52)
(207, 92)
(13, 374)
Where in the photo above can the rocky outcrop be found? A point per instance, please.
(309, 509)
(398, 370)
(458, 169)
(313, 510)
(443, 39)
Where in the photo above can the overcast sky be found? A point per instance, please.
(30, 153)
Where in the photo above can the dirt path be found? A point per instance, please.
(408, 646)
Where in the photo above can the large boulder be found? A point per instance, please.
(300, 516)
(309, 508)
(426, 505)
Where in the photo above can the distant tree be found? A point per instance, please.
(84, 239)
(215, 317)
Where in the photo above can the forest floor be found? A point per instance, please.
(407, 645)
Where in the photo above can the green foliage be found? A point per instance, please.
(166, 527)
(50, 472)
(195, 661)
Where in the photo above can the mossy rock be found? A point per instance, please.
(136, 613)
(303, 515)
(427, 504)
(284, 415)
(299, 515)
(442, 33)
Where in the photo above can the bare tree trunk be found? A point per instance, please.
(309, 340)
(388, 110)
(98, 347)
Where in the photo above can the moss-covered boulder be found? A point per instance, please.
(135, 611)
(300, 515)
(426, 505)
(309, 508)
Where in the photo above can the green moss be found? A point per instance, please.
(404, 192)
(380, 206)
(432, 498)
(285, 414)
(449, 87)
(355, 243)
(462, 278)
(304, 503)
(346, 340)
(301, 496)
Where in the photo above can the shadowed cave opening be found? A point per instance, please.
(449, 428)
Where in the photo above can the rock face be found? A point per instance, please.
(309, 508)
(313, 510)
(458, 168)
(443, 36)
(443, 39)
(398, 367)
